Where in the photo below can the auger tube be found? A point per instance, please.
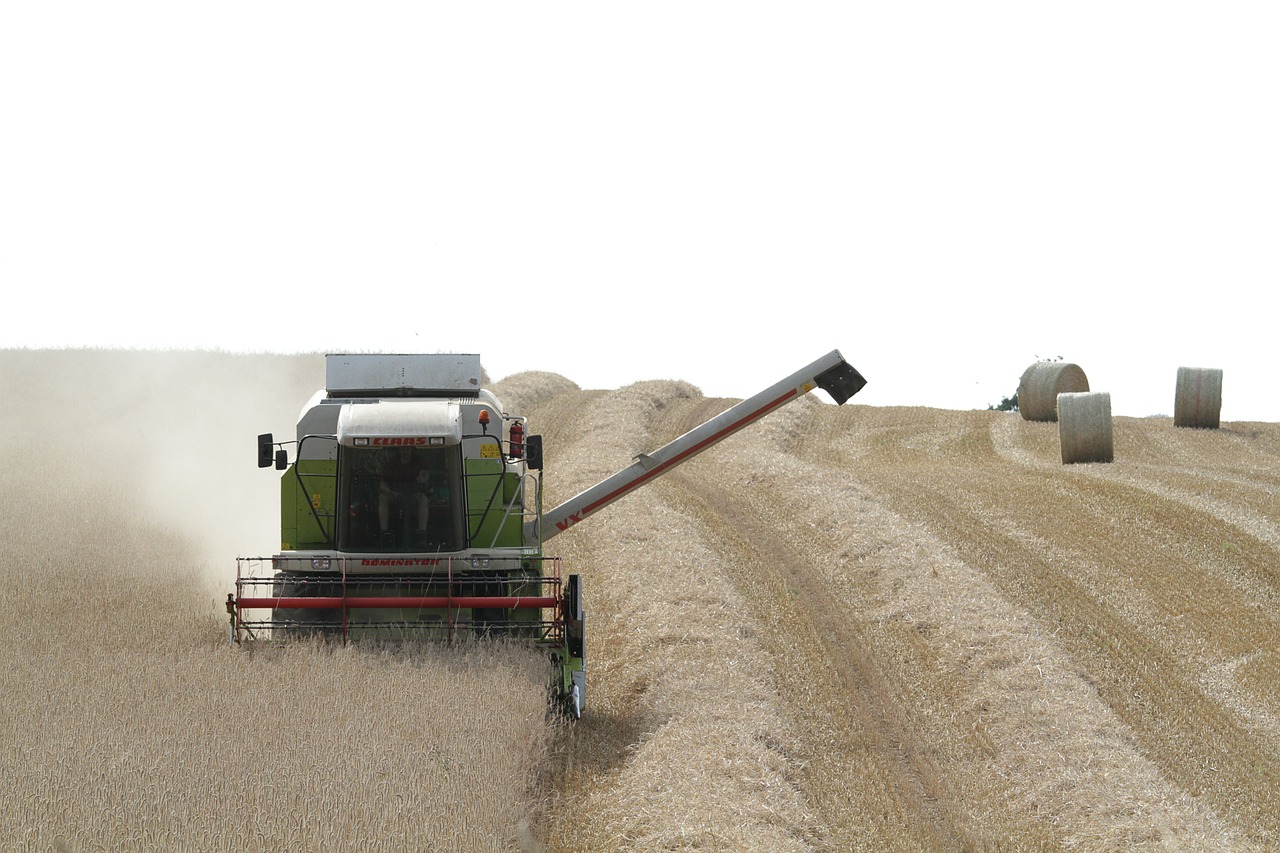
(831, 373)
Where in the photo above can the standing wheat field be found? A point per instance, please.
(849, 628)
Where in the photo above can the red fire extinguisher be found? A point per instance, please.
(517, 439)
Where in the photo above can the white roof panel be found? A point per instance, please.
(395, 422)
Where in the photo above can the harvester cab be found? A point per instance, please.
(412, 507)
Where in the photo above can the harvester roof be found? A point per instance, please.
(405, 375)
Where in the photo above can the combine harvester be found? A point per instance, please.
(413, 508)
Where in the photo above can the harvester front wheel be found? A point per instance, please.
(575, 653)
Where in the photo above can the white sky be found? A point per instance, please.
(714, 192)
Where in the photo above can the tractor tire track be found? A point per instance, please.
(867, 772)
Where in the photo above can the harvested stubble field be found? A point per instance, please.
(849, 628)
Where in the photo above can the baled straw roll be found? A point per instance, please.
(1198, 400)
(1084, 427)
(1040, 385)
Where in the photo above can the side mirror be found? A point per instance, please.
(533, 451)
(265, 454)
(282, 460)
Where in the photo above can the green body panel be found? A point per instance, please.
(489, 524)
(301, 502)
(568, 666)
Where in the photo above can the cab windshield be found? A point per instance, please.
(399, 499)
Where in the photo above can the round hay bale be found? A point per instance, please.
(1198, 400)
(1084, 427)
(1040, 385)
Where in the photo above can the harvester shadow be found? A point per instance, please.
(584, 751)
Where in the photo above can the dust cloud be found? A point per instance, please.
(162, 439)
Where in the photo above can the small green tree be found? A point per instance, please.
(1008, 404)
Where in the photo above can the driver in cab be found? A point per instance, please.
(404, 481)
